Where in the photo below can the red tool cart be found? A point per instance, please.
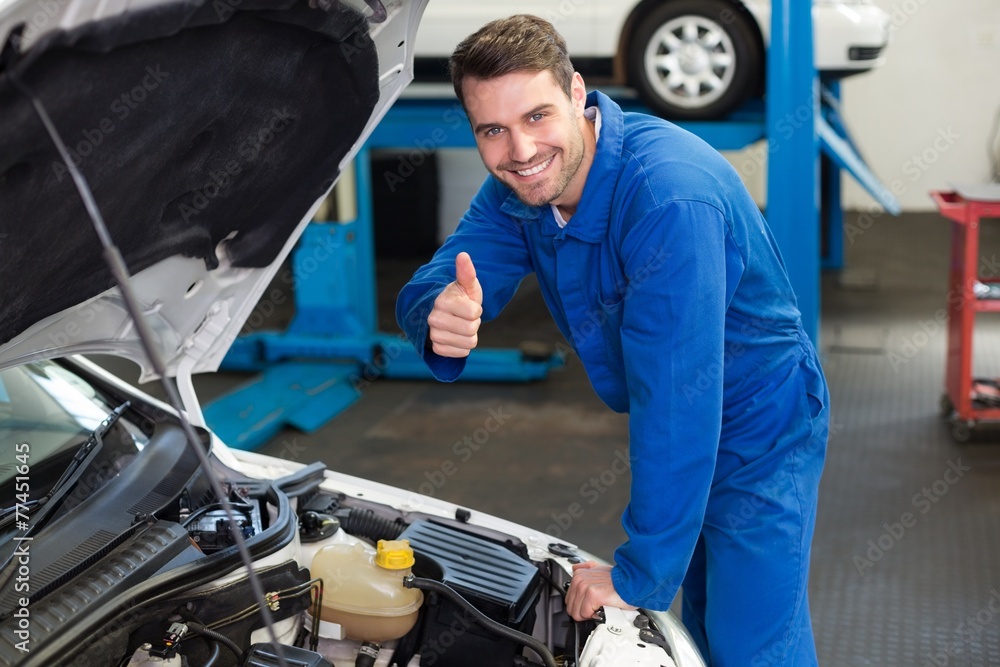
(968, 401)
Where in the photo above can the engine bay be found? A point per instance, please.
(482, 601)
(133, 561)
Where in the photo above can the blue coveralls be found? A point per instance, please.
(669, 286)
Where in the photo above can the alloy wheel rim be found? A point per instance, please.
(690, 61)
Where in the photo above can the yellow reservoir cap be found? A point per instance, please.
(394, 554)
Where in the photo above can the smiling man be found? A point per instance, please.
(547, 165)
(662, 274)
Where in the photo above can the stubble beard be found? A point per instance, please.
(539, 194)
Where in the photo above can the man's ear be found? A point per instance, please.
(578, 93)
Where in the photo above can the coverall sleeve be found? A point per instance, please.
(672, 336)
(498, 250)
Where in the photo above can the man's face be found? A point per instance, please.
(531, 136)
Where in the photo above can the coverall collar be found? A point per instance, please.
(590, 222)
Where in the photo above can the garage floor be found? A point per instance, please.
(906, 559)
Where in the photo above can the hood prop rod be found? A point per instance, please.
(116, 264)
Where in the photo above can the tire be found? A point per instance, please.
(961, 431)
(695, 59)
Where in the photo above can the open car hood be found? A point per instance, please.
(209, 132)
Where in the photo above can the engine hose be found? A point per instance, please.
(365, 523)
(367, 655)
(214, 656)
(217, 637)
(508, 633)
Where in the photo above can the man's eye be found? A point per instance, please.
(537, 116)
(493, 131)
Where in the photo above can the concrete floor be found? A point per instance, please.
(927, 592)
(931, 598)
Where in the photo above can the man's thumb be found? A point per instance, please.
(465, 276)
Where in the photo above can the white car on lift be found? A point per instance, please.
(205, 133)
(688, 59)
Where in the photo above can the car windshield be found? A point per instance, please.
(46, 413)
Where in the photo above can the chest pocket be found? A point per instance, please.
(603, 289)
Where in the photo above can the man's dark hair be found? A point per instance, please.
(519, 43)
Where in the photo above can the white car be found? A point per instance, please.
(688, 59)
(208, 132)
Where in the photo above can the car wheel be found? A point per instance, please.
(694, 59)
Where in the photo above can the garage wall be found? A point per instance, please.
(926, 117)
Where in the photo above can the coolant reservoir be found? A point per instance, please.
(363, 589)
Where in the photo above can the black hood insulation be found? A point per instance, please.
(194, 122)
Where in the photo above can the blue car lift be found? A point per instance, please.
(333, 349)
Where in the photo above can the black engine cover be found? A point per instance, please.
(496, 581)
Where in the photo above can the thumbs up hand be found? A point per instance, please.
(454, 321)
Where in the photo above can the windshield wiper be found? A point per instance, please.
(84, 455)
(22, 508)
(32, 517)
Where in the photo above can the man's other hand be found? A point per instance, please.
(456, 316)
(590, 590)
